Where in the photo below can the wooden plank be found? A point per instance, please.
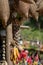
(24, 27)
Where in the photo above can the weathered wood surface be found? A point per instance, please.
(9, 37)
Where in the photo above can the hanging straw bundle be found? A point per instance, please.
(28, 9)
(40, 7)
(24, 8)
(33, 11)
(4, 11)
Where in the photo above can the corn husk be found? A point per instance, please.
(33, 10)
(24, 8)
(29, 1)
(4, 11)
(40, 7)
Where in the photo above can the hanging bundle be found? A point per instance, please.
(27, 9)
(16, 55)
(4, 11)
(40, 7)
(24, 8)
(33, 11)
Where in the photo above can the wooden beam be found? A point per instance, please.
(24, 27)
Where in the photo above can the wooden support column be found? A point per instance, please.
(9, 37)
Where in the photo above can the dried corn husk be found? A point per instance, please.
(33, 10)
(24, 8)
(29, 1)
(40, 7)
(4, 11)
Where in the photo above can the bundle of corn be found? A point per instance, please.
(28, 9)
(16, 54)
(4, 11)
(24, 8)
(40, 7)
(21, 7)
(33, 11)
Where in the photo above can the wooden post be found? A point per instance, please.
(9, 38)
